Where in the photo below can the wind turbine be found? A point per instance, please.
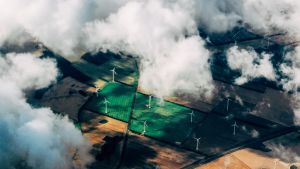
(149, 102)
(296, 89)
(268, 42)
(227, 104)
(275, 163)
(97, 90)
(235, 35)
(265, 37)
(113, 74)
(106, 102)
(192, 114)
(197, 143)
(234, 127)
(145, 125)
(208, 40)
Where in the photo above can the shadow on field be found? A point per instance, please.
(137, 154)
(66, 67)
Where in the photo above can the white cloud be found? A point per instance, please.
(26, 70)
(58, 24)
(250, 64)
(216, 15)
(164, 36)
(33, 135)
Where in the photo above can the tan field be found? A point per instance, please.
(226, 162)
(95, 130)
(100, 131)
(246, 159)
(99, 84)
(255, 160)
(284, 152)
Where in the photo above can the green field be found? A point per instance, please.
(120, 99)
(166, 121)
(125, 68)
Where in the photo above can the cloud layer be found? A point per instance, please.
(162, 34)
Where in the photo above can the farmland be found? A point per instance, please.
(120, 98)
(161, 119)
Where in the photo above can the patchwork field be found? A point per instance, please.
(119, 99)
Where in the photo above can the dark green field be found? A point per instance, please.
(125, 68)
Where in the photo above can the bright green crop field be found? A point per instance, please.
(166, 121)
(120, 98)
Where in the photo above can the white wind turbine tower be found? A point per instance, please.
(268, 44)
(236, 35)
(267, 38)
(197, 143)
(207, 40)
(149, 102)
(275, 163)
(97, 90)
(227, 104)
(113, 74)
(296, 89)
(145, 126)
(234, 128)
(106, 102)
(192, 114)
